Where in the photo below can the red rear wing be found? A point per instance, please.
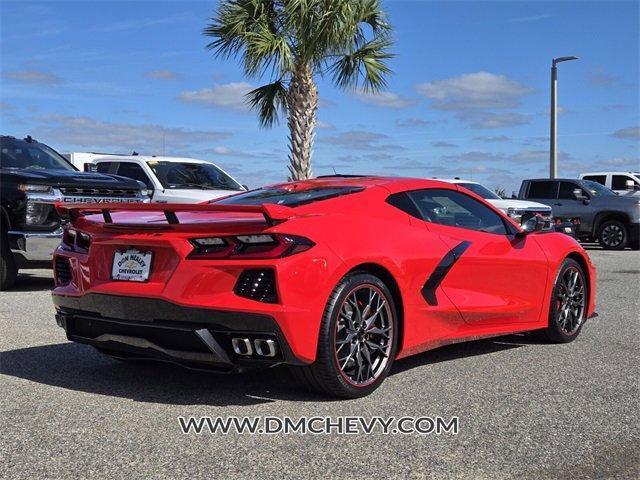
(272, 213)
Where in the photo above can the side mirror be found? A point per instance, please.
(245, 187)
(532, 224)
(579, 195)
(630, 184)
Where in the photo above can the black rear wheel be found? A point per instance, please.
(568, 303)
(357, 341)
(613, 235)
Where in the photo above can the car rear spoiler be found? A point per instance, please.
(272, 213)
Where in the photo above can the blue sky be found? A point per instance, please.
(469, 95)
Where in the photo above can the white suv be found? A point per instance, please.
(519, 210)
(620, 182)
(168, 179)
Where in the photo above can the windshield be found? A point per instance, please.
(481, 190)
(20, 154)
(186, 175)
(287, 196)
(597, 189)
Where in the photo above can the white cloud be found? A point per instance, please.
(162, 75)
(92, 134)
(229, 152)
(35, 77)
(442, 144)
(325, 125)
(481, 90)
(360, 140)
(483, 119)
(631, 164)
(629, 132)
(230, 96)
(492, 139)
(598, 77)
(385, 99)
(530, 18)
(412, 122)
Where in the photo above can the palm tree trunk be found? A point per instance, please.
(302, 102)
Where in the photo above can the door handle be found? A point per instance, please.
(558, 204)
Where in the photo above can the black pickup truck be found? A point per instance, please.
(33, 177)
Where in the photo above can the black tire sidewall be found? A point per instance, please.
(554, 332)
(326, 344)
(625, 231)
(8, 269)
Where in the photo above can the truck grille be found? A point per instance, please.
(99, 192)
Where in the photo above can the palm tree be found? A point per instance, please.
(294, 42)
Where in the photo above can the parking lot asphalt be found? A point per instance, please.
(526, 409)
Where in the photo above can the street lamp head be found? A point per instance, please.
(563, 59)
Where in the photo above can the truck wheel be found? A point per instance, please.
(613, 235)
(8, 269)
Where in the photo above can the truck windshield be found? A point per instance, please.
(186, 175)
(287, 196)
(481, 190)
(20, 154)
(598, 190)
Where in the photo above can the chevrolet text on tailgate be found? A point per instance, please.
(335, 277)
(34, 177)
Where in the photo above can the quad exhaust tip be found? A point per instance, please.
(263, 347)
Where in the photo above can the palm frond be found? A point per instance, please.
(269, 100)
(364, 66)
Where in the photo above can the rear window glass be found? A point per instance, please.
(542, 189)
(289, 197)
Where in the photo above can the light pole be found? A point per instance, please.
(553, 165)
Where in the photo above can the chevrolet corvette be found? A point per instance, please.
(337, 277)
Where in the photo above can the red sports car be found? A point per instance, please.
(336, 277)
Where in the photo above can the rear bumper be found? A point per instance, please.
(201, 338)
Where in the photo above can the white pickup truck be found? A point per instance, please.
(519, 210)
(623, 183)
(168, 179)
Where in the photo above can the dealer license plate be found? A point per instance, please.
(131, 265)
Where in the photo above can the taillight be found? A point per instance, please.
(261, 246)
(75, 241)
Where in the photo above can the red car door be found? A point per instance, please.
(493, 277)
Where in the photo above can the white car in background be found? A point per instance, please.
(519, 210)
(623, 183)
(168, 179)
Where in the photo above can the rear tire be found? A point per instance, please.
(8, 268)
(569, 304)
(613, 235)
(357, 341)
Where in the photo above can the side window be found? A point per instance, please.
(601, 179)
(619, 182)
(542, 189)
(449, 207)
(106, 167)
(402, 202)
(133, 170)
(566, 190)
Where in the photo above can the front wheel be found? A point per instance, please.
(8, 268)
(568, 303)
(358, 339)
(613, 235)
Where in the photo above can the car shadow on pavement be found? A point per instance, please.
(27, 282)
(81, 368)
(465, 349)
